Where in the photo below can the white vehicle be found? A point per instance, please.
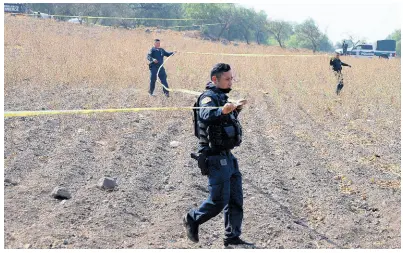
(340, 51)
(364, 51)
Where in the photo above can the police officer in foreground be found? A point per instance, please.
(219, 131)
(155, 59)
(337, 64)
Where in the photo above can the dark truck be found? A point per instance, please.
(385, 48)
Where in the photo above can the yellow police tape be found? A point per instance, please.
(179, 26)
(88, 111)
(170, 89)
(181, 90)
(258, 55)
(171, 19)
(165, 19)
(195, 92)
(93, 17)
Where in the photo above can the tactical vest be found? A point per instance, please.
(223, 135)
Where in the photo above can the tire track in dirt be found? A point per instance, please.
(23, 167)
(370, 206)
(162, 180)
(361, 216)
(270, 172)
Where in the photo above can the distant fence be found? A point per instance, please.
(126, 22)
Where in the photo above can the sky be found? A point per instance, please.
(363, 19)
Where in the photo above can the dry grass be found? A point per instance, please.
(44, 54)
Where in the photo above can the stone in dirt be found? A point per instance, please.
(174, 144)
(338, 177)
(61, 193)
(102, 143)
(8, 181)
(107, 183)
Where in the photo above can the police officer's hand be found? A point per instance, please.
(240, 103)
(155, 61)
(228, 107)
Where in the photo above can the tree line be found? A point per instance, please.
(216, 21)
(396, 35)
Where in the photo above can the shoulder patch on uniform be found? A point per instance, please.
(206, 100)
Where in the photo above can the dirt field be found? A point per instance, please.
(319, 171)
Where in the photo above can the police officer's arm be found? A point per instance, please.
(345, 64)
(210, 115)
(167, 53)
(150, 57)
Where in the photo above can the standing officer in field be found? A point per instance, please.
(155, 59)
(337, 64)
(218, 131)
(344, 47)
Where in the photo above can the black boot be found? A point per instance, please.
(192, 229)
(236, 241)
(339, 87)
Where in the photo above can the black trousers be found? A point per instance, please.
(340, 83)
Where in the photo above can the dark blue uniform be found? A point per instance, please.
(157, 54)
(337, 67)
(224, 178)
(337, 64)
(345, 46)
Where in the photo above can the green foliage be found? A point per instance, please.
(281, 31)
(296, 41)
(310, 32)
(260, 28)
(396, 35)
(271, 41)
(325, 45)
